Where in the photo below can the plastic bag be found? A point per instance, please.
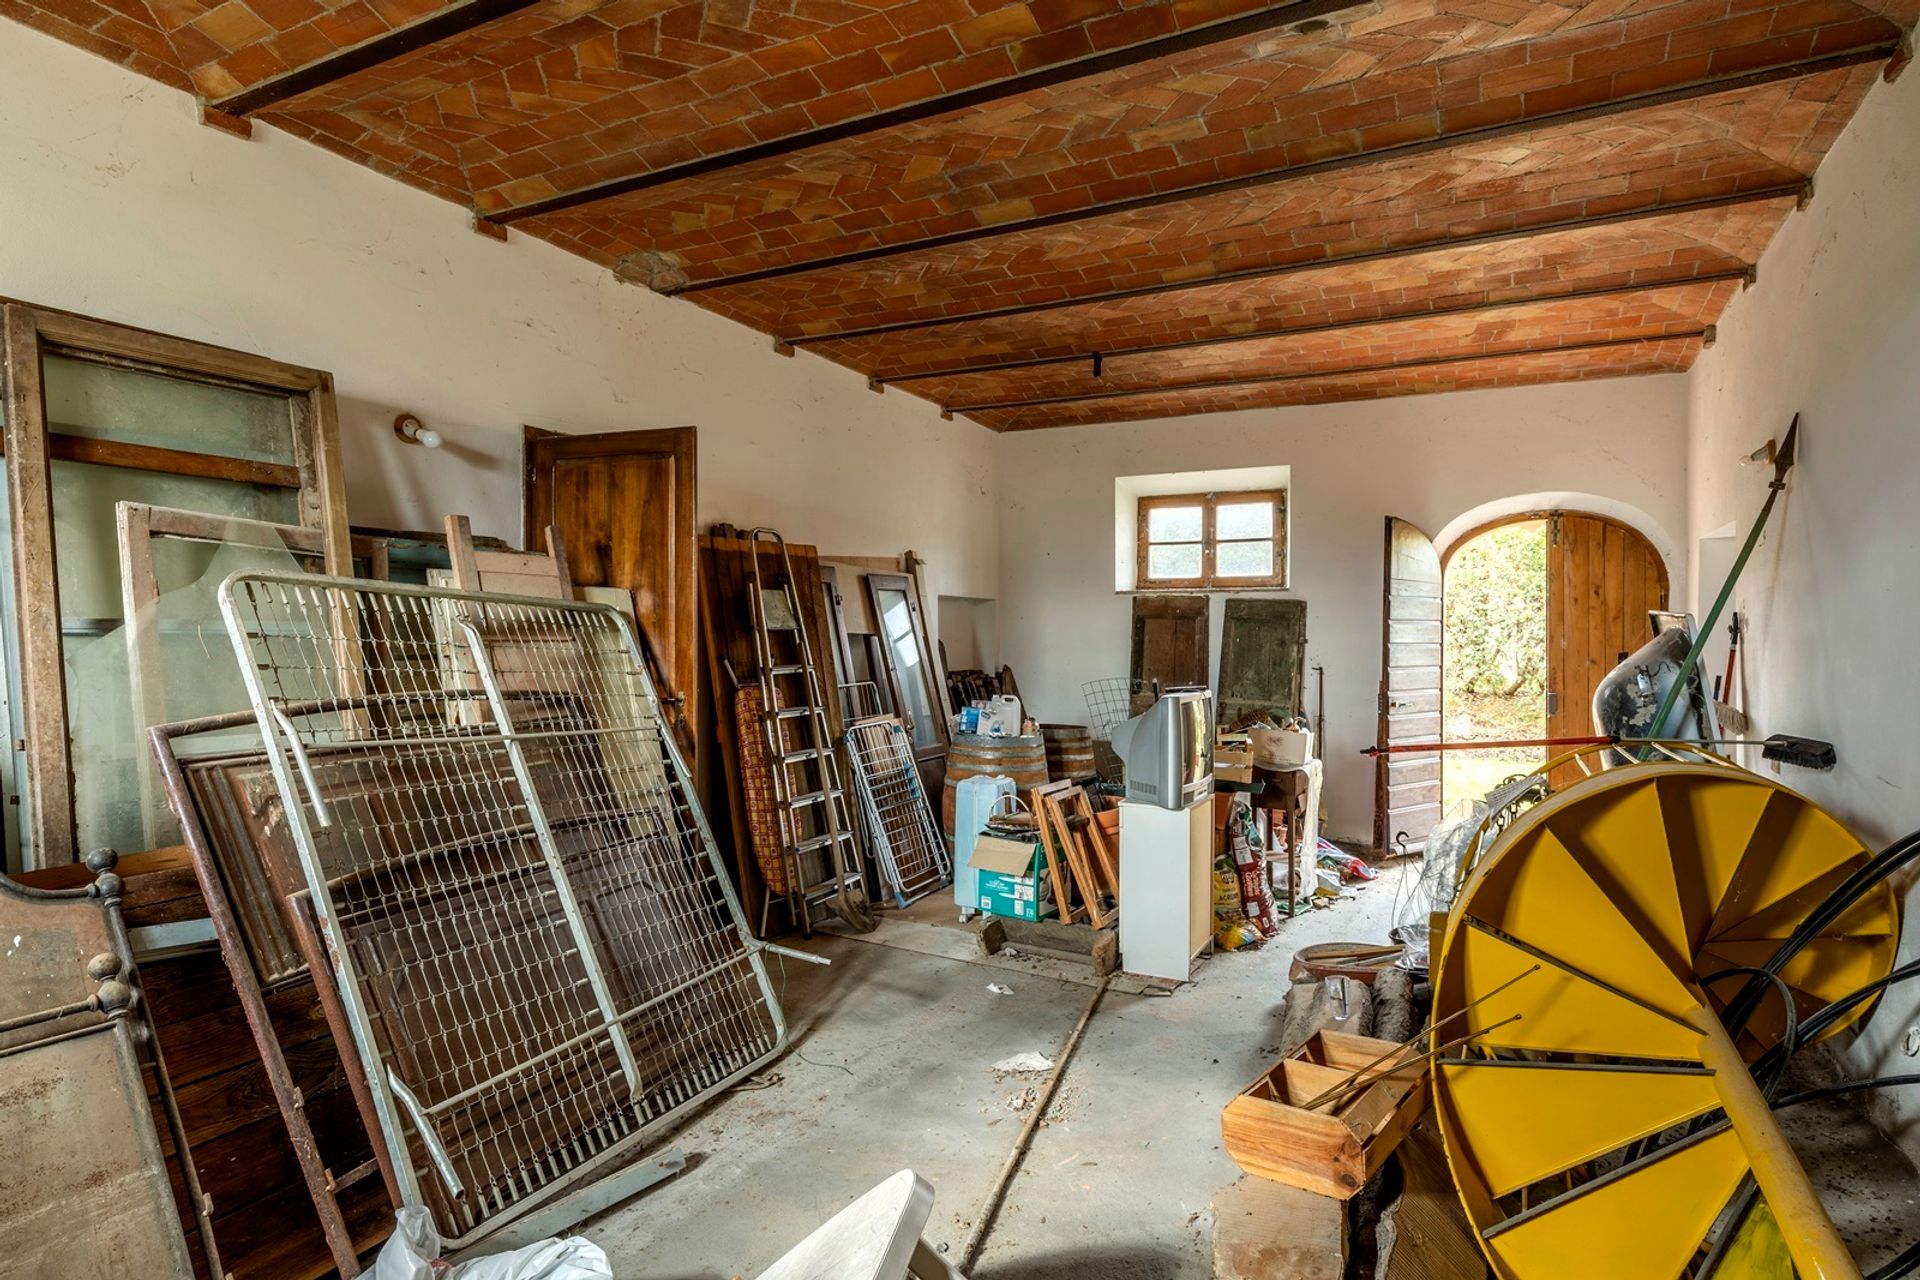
(412, 1253)
(1231, 928)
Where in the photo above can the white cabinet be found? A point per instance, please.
(1166, 895)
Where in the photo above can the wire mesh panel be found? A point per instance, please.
(1110, 703)
(533, 937)
(905, 840)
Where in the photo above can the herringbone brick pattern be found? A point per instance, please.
(1673, 355)
(1754, 140)
(1214, 115)
(1660, 249)
(122, 31)
(1655, 313)
(1390, 127)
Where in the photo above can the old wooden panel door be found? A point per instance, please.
(1602, 580)
(1407, 787)
(1170, 641)
(623, 503)
(1263, 650)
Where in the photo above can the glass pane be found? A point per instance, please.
(117, 800)
(903, 646)
(1174, 560)
(105, 403)
(1243, 560)
(1173, 524)
(1243, 520)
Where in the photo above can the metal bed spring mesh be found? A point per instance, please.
(536, 943)
(906, 842)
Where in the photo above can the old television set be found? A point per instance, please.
(1168, 750)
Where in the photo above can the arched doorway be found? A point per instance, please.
(1538, 608)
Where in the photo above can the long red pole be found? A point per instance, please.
(1417, 748)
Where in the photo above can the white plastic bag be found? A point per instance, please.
(412, 1252)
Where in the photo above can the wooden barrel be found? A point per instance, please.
(972, 755)
(1069, 752)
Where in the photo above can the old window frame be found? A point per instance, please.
(1209, 579)
(28, 334)
(931, 682)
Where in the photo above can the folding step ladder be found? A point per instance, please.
(823, 858)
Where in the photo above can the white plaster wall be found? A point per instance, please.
(1832, 332)
(115, 202)
(1427, 459)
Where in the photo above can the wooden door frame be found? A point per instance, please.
(28, 334)
(681, 663)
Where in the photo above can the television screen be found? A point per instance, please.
(1168, 750)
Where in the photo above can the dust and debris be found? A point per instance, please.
(1022, 1064)
(1061, 1110)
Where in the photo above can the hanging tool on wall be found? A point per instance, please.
(1723, 692)
(1782, 464)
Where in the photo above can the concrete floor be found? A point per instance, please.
(892, 1068)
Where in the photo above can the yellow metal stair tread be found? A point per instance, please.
(1521, 1123)
(1647, 1223)
(1620, 840)
(1559, 1010)
(1710, 826)
(1539, 894)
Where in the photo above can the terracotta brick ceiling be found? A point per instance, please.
(1062, 212)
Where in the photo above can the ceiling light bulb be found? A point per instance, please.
(428, 438)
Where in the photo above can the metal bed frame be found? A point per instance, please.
(532, 940)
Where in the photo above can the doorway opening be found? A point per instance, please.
(1494, 679)
(1537, 609)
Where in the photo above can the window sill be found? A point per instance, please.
(1278, 588)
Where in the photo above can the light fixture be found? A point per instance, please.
(413, 431)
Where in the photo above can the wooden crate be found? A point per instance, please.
(1332, 1150)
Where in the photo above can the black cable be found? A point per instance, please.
(1817, 1024)
(1844, 1088)
(1836, 904)
(1904, 1264)
(1776, 1073)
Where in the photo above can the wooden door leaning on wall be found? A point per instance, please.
(624, 505)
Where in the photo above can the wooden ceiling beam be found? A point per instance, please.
(1796, 69)
(1264, 22)
(1704, 334)
(1797, 191)
(442, 24)
(1745, 275)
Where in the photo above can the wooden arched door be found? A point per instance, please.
(1603, 579)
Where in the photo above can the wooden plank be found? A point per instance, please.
(718, 638)
(1057, 853)
(179, 462)
(43, 696)
(139, 601)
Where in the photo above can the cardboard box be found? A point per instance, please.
(1233, 758)
(1281, 748)
(1012, 878)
